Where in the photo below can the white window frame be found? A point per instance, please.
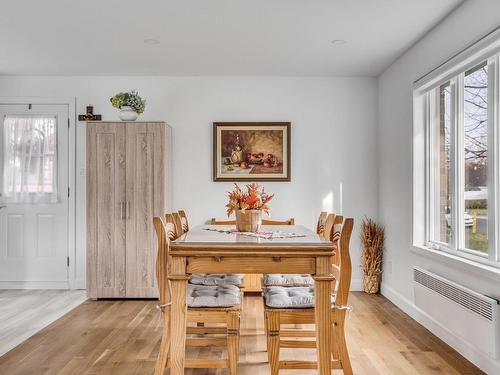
(425, 107)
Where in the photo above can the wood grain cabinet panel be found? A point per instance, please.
(127, 184)
(145, 199)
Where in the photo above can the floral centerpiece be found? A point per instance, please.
(131, 105)
(248, 206)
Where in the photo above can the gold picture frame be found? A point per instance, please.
(251, 151)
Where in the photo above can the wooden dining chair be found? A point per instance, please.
(180, 221)
(295, 305)
(181, 224)
(214, 304)
(324, 225)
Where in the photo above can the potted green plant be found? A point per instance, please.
(130, 104)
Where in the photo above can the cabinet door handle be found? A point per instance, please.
(128, 210)
(122, 215)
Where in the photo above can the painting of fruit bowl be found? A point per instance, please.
(245, 151)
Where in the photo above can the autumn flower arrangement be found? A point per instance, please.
(254, 199)
(248, 206)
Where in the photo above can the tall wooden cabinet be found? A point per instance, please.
(128, 182)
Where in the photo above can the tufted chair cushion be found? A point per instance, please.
(290, 297)
(277, 279)
(216, 279)
(213, 296)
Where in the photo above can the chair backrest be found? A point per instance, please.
(184, 221)
(320, 226)
(176, 220)
(328, 226)
(331, 233)
(341, 235)
(214, 221)
(165, 232)
(290, 221)
(170, 224)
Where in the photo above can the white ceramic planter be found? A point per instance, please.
(127, 114)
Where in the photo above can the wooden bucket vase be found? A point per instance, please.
(248, 220)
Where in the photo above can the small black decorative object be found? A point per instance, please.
(89, 116)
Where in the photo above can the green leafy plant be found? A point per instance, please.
(129, 99)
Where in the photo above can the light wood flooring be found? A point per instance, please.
(122, 337)
(25, 312)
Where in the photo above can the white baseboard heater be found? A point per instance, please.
(467, 314)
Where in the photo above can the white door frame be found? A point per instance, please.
(71, 103)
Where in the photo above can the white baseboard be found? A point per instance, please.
(356, 285)
(34, 285)
(478, 358)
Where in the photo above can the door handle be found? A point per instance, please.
(122, 216)
(128, 209)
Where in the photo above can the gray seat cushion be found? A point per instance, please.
(213, 296)
(277, 279)
(217, 279)
(281, 297)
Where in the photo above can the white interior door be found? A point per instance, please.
(34, 196)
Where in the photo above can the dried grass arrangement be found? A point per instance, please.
(372, 240)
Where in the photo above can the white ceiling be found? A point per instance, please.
(211, 37)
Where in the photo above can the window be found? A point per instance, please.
(29, 159)
(441, 173)
(475, 159)
(456, 155)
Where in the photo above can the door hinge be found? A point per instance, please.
(67, 261)
(68, 192)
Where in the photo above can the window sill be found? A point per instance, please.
(475, 267)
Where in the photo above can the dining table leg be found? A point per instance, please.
(178, 279)
(322, 310)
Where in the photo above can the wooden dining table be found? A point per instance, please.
(204, 250)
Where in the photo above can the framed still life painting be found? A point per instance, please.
(251, 151)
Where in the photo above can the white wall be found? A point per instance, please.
(333, 138)
(464, 26)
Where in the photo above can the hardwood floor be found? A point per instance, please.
(122, 337)
(25, 312)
